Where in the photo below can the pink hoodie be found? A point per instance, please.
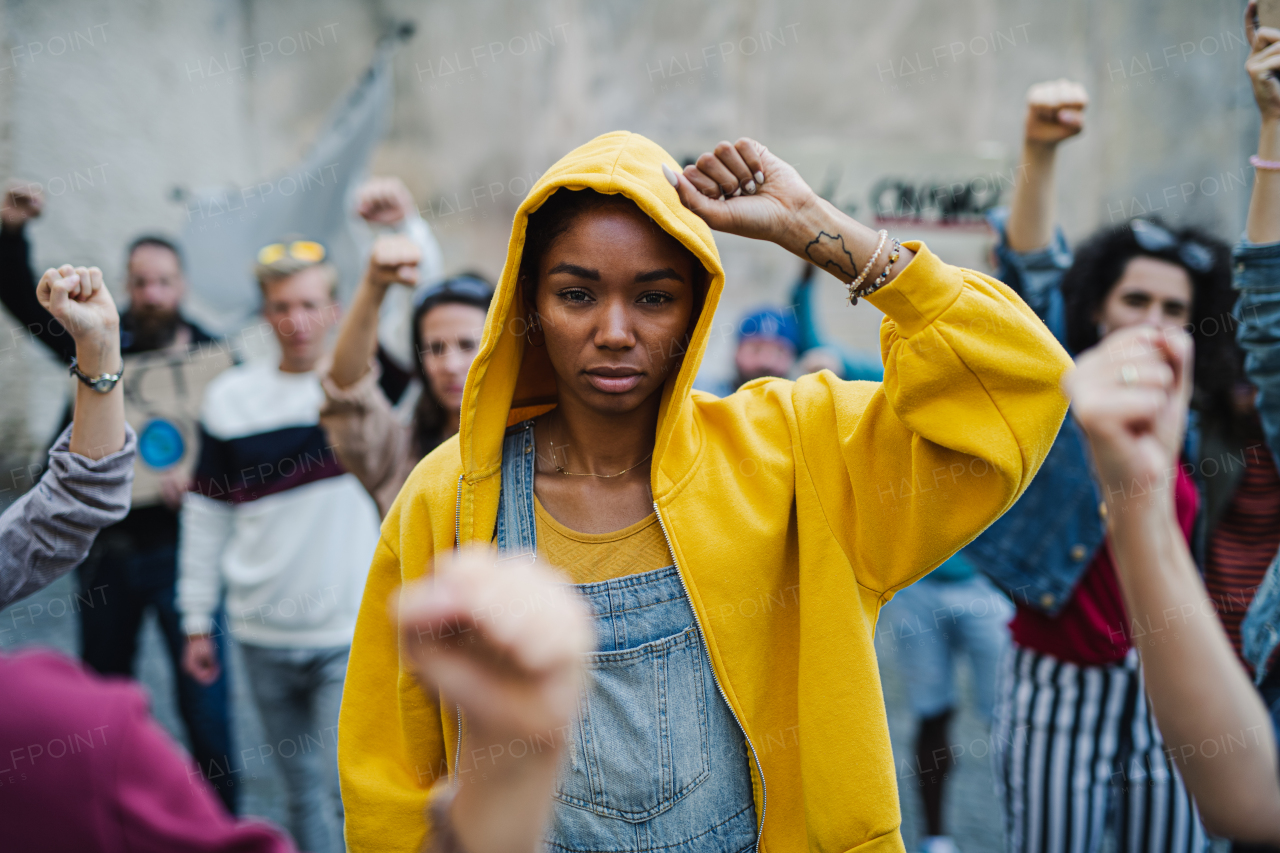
(83, 766)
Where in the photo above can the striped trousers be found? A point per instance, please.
(1076, 753)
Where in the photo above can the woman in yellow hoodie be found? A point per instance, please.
(735, 552)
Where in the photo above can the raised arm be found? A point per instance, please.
(22, 203)
(49, 530)
(1263, 224)
(1055, 112)
(1130, 395)
(357, 415)
(77, 299)
(1257, 259)
(970, 402)
(394, 259)
(744, 189)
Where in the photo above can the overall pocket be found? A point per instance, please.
(641, 742)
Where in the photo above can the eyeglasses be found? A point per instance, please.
(1156, 238)
(307, 251)
(466, 286)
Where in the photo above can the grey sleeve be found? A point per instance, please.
(47, 532)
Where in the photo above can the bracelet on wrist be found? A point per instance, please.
(1266, 165)
(862, 276)
(881, 280)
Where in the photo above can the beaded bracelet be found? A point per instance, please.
(1267, 165)
(883, 278)
(862, 276)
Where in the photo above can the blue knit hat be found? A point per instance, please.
(772, 323)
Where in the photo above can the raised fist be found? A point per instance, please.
(1130, 395)
(22, 201)
(506, 643)
(77, 299)
(742, 188)
(1263, 63)
(394, 258)
(384, 201)
(1055, 111)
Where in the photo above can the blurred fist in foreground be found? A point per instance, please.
(1130, 394)
(505, 643)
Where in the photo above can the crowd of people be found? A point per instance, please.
(494, 599)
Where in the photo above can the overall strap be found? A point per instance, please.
(515, 535)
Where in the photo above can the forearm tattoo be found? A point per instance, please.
(828, 251)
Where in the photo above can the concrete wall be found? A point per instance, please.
(113, 105)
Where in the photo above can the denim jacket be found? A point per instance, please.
(1038, 550)
(1257, 277)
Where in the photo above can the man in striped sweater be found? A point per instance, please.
(276, 521)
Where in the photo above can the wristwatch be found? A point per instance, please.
(102, 384)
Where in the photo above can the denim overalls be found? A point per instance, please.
(655, 760)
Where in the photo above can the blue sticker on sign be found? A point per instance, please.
(160, 444)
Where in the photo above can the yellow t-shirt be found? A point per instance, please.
(592, 557)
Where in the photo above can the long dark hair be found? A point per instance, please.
(429, 416)
(550, 221)
(1100, 263)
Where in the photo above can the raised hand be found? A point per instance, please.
(22, 201)
(505, 643)
(394, 258)
(384, 201)
(77, 299)
(1263, 63)
(742, 188)
(1055, 111)
(1130, 395)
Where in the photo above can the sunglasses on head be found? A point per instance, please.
(307, 251)
(1157, 238)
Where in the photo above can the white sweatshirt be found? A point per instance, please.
(273, 517)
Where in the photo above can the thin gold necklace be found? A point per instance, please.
(560, 468)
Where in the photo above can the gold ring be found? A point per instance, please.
(1129, 374)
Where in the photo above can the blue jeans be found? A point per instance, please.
(655, 760)
(119, 581)
(930, 622)
(298, 692)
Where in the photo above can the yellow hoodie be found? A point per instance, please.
(794, 511)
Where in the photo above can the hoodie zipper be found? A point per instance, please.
(457, 546)
(764, 791)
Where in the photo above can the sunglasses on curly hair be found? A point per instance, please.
(1157, 238)
(307, 251)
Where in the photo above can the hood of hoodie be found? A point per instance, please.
(509, 380)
